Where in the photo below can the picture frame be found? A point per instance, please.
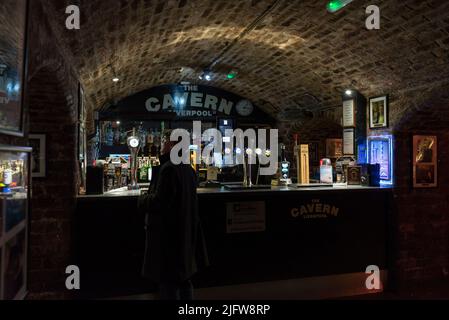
(349, 113)
(13, 65)
(38, 142)
(334, 148)
(349, 142)
(425, 161)
(354, 174)
(378, 112)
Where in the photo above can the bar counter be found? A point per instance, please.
(252, 236)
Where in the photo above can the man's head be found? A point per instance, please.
(166, 144)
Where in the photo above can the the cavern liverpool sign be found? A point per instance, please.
(185, 102)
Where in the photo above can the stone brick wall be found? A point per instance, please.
(298, 51)
(53, 200)
(52, 100)
(421, 225)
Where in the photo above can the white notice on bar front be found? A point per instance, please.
(246, 216)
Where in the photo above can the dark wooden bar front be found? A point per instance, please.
(308, 232)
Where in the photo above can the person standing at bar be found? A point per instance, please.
(175, 247)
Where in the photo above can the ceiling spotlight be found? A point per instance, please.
(115, 79)
(348, 92)
(206, 75)
(118, 123)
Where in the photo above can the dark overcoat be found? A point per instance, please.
(175, 248)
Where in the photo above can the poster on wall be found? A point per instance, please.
(378, 112)
(13, 16)
(348, 142)
(348, 113)
(425, 167)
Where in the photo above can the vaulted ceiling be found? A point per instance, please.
(11, 34)
(298, 56)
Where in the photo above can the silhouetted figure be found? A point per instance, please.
(175, 247)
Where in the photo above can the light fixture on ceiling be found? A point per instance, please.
(206, 75)
(335, 5)
(232, 74)
(115, 78)
(348, 92)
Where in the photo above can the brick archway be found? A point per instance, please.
(52, 112)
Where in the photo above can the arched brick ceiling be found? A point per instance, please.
(297, 52)
(10, 34)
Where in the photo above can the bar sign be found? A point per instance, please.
(246, 216)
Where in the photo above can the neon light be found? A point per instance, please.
(381, 152)
(335, 5)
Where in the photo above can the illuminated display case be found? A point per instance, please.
(381, 152)
(14, 204)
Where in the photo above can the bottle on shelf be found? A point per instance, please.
(143, 172)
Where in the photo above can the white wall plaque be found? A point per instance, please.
(245, 217)
(348, 113)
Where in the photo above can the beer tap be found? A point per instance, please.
(134, 146)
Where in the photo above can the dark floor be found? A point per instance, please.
(434, 290)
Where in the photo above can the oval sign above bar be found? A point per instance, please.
(185, 102)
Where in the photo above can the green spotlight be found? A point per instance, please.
(335, 5)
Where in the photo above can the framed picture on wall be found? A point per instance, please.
(378, 112)
(425, 157)
(348, 142)
(39, 155)
(348, 113)
(13, 21)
